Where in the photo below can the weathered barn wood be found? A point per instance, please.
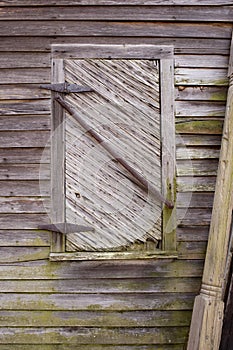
(114, 304)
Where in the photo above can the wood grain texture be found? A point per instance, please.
(117, 2)
(120, 28)
(89, 347)
(123, 269)
(181, 45)
(105, 302)
(122, 13)
(96, 335)
(94, 318)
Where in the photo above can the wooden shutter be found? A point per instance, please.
(131, 108)
(125, 110)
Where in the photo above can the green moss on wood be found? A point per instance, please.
(200, 127)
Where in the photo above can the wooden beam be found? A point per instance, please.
(206, 325)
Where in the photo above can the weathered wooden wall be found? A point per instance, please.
(94, 305)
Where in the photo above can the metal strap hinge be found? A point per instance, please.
(66, 87)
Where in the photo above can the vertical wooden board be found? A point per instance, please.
(168, 152)
(57, 160)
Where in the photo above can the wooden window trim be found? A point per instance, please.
(79, 51)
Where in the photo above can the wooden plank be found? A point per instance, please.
(192, 234)
(197, 168)
(24, 172)
(28, 122)
(168, 152)
(57, 160)
(22, 92)
(196, 184)
(194, 216)
(192, 152)
(120, 28)
(106, 269)
(95, 318)
(23, 205)
(181, 45)
(201, 93)
(31, 107)
(201, 76)
(129, 51)
(199, 126)
(195, 200)
(29, 155)
(195, 61)
(85, 335)
(151, 285)
(25, 75)
(192, 250)
(116, 13)
(199, 140)
(24, 188)
(200, 109)
(105, 302)
(24, 59)
(16, 254)
(22, 221)
(17, 238)
(117, 2)
(24, 138)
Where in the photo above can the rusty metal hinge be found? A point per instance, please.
(65, 227)
(66, 88)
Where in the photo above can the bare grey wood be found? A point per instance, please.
(24, 188)
(22, 91)
(140, 179)
(57, 160)
(118, 2)
(196, 184)
(200, 109)
(130, 51)
(181, 45)
(107, 269)
(24, 138)
(25, 75)
(24, 172)
(11, 107)
(25, 122)
(77, 286)
(24, 60)
(17, 238)
(168, 152)
(196, 167)
(202, 61)
(105, 28)
(128, 13)
(193, 234)
(22, 221)
(31, 155)
(23, 205)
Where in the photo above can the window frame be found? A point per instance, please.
(165, 55)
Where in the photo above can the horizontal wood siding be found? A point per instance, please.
(120, 305)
